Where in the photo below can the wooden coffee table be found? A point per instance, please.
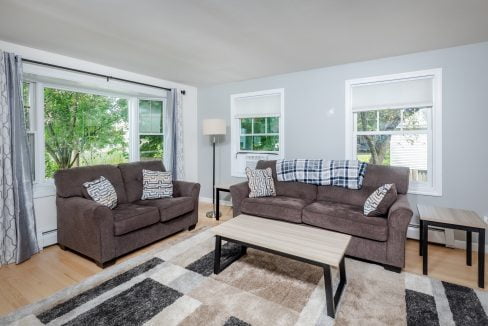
(307, 244)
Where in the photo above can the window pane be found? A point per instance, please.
(390, 119)
(374, 149)
(144, 116)
(84, 129)
(366, 121)
(246, 126)
(273, 125)
(259, 125)
(396, 150)
(266, 143)
(416, 119)
(150, 147)
(27, 104)
(156, 116)
(246, 143)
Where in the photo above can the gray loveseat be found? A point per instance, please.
(104, 234)
(377, 239)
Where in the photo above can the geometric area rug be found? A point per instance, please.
(176, 286)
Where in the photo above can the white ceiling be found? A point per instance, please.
(206, 42)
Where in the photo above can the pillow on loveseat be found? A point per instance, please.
(102, 191)
(261, 183)
(156, 184)
(380, 201)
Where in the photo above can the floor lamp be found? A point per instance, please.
(213, 128)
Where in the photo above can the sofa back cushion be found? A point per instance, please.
(307, 192)
(132, 176)
(378, 175)
(69, 182)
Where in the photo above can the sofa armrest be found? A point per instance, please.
(87, 227)
(238, 192)
(186, 189)
(399, 218)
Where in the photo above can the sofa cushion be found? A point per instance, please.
(169, 208)
(131, 217)
(69, 182)
(300, 190)
(280, 208)
(345, 219)
(132, 176)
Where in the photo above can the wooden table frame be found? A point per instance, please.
(424, 239)
(332, 299)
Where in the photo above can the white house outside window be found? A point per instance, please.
(395, 120)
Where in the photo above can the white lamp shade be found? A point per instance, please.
(214, 127)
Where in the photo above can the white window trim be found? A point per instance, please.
(45, 187)
(235, 127)
(436, 116)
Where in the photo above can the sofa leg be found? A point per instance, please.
(62, 246)
(192, 227)
(392, 268)
(106, 264)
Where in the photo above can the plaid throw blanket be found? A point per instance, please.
(341, 173)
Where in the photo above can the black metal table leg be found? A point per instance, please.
(329, 297)
(217, 203)
(218, 247)
(420, 237)
(481, 258)
(469, 246)
(425, 241)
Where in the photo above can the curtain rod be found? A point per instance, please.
(97, 74)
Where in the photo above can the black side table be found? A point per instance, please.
(452, 218)
(218, 189)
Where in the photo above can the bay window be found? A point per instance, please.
(396, 120)
(70, 127)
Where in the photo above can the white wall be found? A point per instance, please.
(44, 193)
(315, 118)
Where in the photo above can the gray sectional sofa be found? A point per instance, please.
(103, 234)
(376, 239)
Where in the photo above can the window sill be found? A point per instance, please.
(425, 192)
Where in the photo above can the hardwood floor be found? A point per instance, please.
(54, 269)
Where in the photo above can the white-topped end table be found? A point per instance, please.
(453, 218)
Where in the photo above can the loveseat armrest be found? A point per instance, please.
(238, 192)
(399, 218)
(87, 227)
(186, 189)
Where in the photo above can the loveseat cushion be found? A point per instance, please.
(170, 208)
(132, 176)
(131, 217)
(280, 208)
(347, 219)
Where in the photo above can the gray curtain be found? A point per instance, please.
(18, 236)
(173, 135)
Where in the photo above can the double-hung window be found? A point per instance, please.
(151, 135)
(257, 128)
(396, 120)
(28, 94)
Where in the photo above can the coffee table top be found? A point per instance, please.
(302, 241)
(447, 215)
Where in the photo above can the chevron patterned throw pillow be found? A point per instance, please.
(379, 202)
(261, 183)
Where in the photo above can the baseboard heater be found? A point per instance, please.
(49, 238)
(436, 235)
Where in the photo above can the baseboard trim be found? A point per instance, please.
(209, 201)
(461, 244)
